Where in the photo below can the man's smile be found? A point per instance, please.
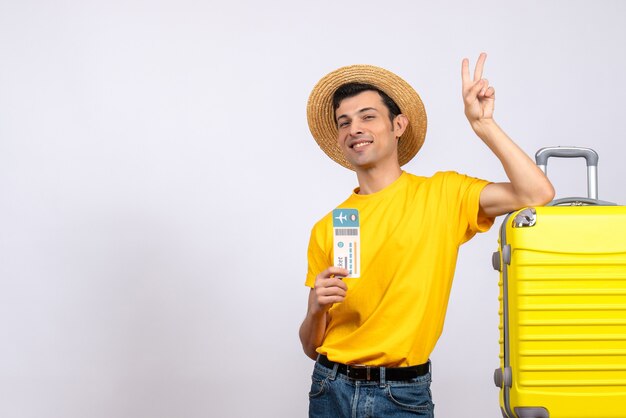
(360, 143)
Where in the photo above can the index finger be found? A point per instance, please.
(465, 75)
(478, 72)
(336, 271)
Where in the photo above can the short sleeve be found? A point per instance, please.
(471, 204)
(463, 195)
(318, 254)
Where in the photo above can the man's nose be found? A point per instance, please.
(356, 128)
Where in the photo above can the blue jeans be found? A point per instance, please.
(333, 395)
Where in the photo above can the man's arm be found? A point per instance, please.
(527, 185)
(329, 289)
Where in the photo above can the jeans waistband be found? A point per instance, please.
(373, 373)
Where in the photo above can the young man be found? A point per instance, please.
(373, 320)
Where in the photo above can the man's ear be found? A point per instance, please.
(400, 123)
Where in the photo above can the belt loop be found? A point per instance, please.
(430, 370)
(333, 373)
(383, 378)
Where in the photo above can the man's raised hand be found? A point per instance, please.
(478, 96)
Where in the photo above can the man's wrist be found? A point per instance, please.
(483, 127)
(317, 312)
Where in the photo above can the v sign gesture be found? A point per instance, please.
(478, 96)
(527, 185)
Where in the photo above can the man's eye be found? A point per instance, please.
(343, 124)
(367, 117)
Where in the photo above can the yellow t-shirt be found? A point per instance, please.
(410, 234)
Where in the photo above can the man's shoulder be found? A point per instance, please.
(443, 182)
(328, 217)
(437, 177)
(324, 220)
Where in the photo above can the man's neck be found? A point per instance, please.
(376, 179)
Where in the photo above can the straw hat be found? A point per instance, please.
(321, 115)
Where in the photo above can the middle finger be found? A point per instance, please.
(478, 72)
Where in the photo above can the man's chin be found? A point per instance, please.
(370, 164)
(361, 164)
(358, 162)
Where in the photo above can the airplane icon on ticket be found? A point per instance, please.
(341, 217)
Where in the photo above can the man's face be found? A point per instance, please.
(365, 134)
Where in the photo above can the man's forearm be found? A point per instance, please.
(529, 183)
(312, 333)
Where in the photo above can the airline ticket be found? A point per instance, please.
(347, 241)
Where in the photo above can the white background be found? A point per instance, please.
(158, 183)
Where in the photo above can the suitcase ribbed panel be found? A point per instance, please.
(571, 323)
(567, 312)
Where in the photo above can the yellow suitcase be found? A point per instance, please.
(563, 305)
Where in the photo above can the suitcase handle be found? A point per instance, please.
(541, 157)
(566, 152)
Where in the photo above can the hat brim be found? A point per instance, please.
(321, 115)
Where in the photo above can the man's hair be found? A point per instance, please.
(348, 90)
